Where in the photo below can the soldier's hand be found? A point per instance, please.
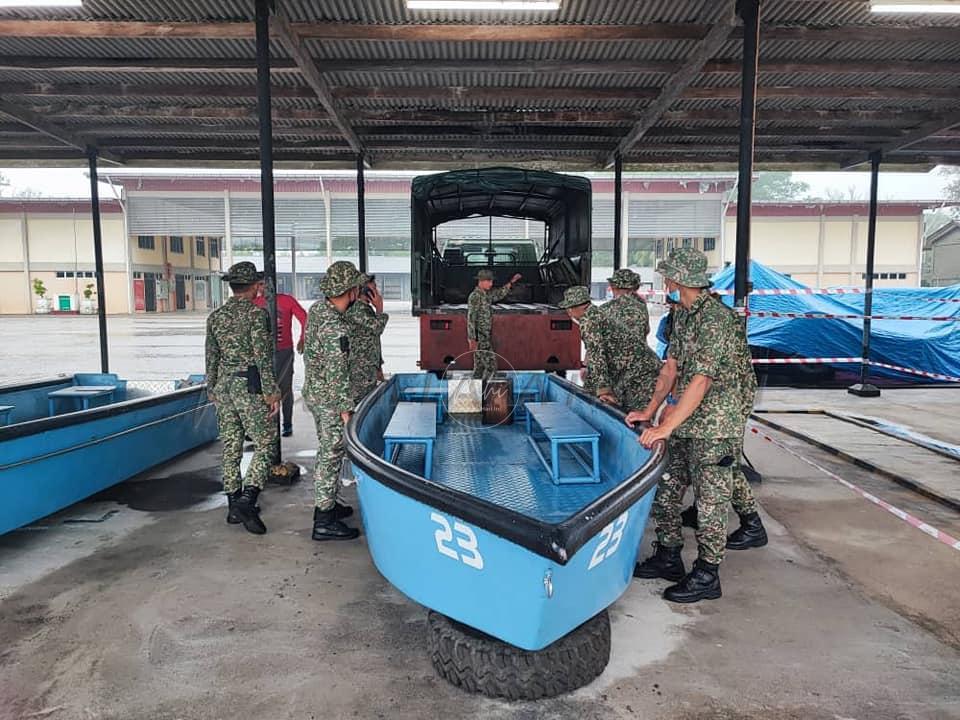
(654, 435)
(211, 397)
(608, 398)
(273, 402)
(300, 345)
(472, 344)
(516, 278)
(376, 299)
(637, 416)
(380, 377)
(345, 416)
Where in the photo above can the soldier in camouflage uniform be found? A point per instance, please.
(480, 322)
(594, 333)
(326, 391)
(633, 362)
(366, 320)
(240, 380)
(705, 362)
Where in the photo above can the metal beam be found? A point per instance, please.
(864, 388)
(41, 125)
(315, 80)
(361, 217)
(617, 209)
(681, 80)
(926, 131)
(147, 65)
(749, 11)
(98, 259)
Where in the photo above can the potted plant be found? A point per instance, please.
(88, 306)
(43, 302)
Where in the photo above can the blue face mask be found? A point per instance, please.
(674, 296)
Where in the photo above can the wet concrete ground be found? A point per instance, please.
(143, 603)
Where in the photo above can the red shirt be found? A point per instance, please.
(287, 308)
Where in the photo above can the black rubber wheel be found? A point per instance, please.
(482, 664)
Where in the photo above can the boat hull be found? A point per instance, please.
(51, 463)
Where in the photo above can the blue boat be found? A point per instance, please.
(492, 540)
(66, 438)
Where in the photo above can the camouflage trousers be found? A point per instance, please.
(741, 496)
(634, 390)
(363, 378)
(709, 465)
(330, 454)
(484, 361)
(239, 413)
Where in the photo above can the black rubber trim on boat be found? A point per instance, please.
(55, 422)
(555, 541)
(34, 384)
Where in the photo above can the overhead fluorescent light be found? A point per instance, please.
(483, 4)
(944, 7)
(40, 3)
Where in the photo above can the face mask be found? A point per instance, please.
(674, 296)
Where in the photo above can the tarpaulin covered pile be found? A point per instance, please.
(928, 345)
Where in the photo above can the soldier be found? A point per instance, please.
(240, 380)
(366, 320)
(480, 322)
(632, 362)
(705, 361)
(326, 390)
(594, 332)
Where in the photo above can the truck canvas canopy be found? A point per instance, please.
(561, 202)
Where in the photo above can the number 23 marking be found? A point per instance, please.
(466, 541)
(610, 538)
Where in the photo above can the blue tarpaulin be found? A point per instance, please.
(929, 345)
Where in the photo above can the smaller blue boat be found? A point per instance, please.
(66, 438)
(493, 540)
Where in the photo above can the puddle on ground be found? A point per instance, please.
(166, 494)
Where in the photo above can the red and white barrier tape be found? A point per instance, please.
(916, 522)
(831, 316)
(921, 373)
(852, 360)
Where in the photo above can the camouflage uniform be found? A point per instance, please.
(480, 325)
(707, 340)
(365, 327)
(632, 363)
(326, 387)
(238, 336)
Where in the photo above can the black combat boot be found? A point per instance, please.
(341, 511)
(750, 534)
(702, 583)
(248, 511)
(688, 518)
(232, 517)
(665, 563)
(326, 526)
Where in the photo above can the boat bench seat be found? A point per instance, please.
(436, 395)
(522, 394)
(562, 426)
(412, 423)
(5, 411)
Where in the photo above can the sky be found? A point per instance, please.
(72, 182)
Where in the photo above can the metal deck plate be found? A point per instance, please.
(497, 464)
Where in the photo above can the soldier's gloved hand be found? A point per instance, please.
(273, 402)
(345, 416)
(638, 416)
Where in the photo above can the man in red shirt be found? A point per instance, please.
(287, 309)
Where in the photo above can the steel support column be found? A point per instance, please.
(865, 388)
(98, 259)
(749, 12)
(361, 217)
(617, 210)
(263, 9)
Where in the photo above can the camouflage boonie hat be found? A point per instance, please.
(624, 279)
(341, 277)
(575, 296)
(242, 273)
(485, 275)
(685, 266)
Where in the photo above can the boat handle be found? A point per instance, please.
(548, 583)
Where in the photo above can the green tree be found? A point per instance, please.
(779, 186)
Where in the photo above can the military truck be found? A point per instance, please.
(529, 331)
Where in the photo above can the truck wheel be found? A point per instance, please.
(482, 664)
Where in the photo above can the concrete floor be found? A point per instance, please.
(149, 606)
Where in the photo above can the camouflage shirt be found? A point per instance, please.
(365, 327)
(708, 339)
(238, 336)
(325, 354)
(594, 332)
(480, 312)
(628, 324)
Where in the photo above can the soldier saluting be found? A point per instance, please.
(480, 322)
(240, 381)
(326, 390)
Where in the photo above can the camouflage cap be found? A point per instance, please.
(242, 273)
(574, 297)
(485, 275)
(624, 279)
(685, 266)
(341, 277)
